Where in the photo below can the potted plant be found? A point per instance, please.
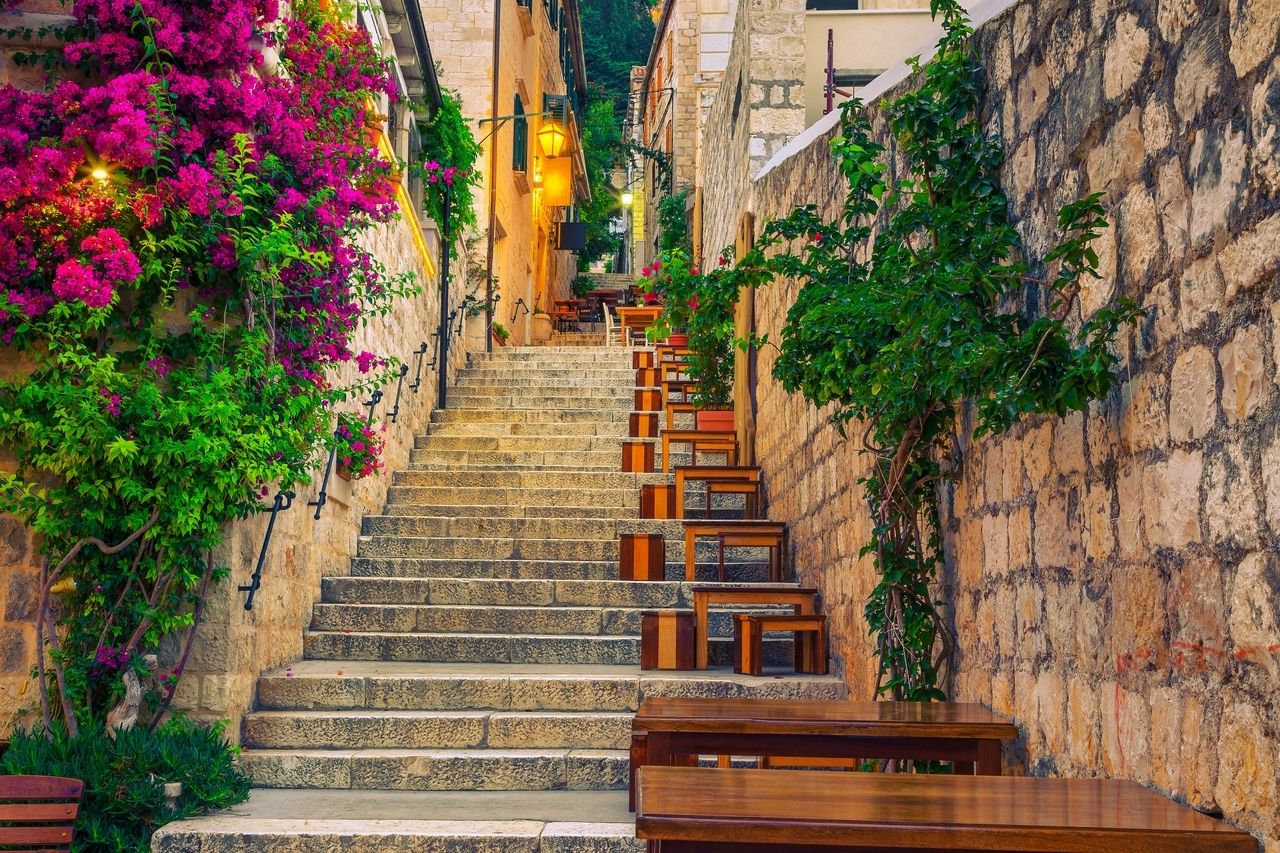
(500, 334)
(541, 327)
(359, 447)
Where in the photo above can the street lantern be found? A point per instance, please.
(627, 199)
(552, 138)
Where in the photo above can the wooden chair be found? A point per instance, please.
(38, 813)
(755, 533)
(810, 641)
(802, 601)
(749, 490)
(700, 441)
(686, 473)
(775, 541)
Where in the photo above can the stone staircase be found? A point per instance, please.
(469, 683)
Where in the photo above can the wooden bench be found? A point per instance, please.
(674, 409)
(38, 813)
(700, 441)
(810, 641)
(755, 533)
(751, 491)
(708, 810)
(800, 599)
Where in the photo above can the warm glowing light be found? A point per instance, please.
(552, 138)
(627, 199)
(557, 182)
(100, 174)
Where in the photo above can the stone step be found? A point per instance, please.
(438, 769)
(523, 429)
(351, 685)
(600, 548)
(552, 392)
(603, 459)
(419, 567)
(504, 648)
(528, 403)
(510, 510)
(496, 619)
(573, 444)
(446, 526)
(565, 467)
(576, 482)
(556, 570)
(362, 590)
(551, 381)
(437, 730)
(533, 416)
(505, 495)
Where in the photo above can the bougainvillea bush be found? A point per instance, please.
(359, 446)
(180, 287)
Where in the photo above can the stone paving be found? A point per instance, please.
(468, 684)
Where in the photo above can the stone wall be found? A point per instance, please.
(1113, 575)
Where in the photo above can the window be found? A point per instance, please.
(519, 138)
(553, 12)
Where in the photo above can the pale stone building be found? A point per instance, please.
(517, 66)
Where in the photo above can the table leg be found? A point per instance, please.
(679, 494)
(690, 554)
(666, 452)
(988, 763)
(701, 639)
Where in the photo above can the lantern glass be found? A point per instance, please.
(552, 138)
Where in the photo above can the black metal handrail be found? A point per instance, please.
(417, 376)
(395, 407)
(515, 311)
(283, 501)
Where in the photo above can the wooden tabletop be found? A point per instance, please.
(709, 526)
(800, 716)
(893, 811)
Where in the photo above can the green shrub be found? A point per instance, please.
(124, 800)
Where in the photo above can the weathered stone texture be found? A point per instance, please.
(1112, 577)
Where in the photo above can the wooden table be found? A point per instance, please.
(966, 734)
(712, 810)
(637, 319)
(685, 473)
(708, 528)
(683, 387)
(720, 441)
(802, 600)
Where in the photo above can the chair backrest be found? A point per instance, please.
(38, 812)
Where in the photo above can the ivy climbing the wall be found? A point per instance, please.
(902, 319)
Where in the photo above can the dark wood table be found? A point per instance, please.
(967, 734)
(802, 600)
(700, 440)
(711, 810)
(776, 531)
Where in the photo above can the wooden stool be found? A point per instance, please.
(643, 358)
(643, 424)
(772, 541)
(648, 400)
(638, 457)
(667, 639)
(810, 641)
(657, 500)
(647, 377)
(736, 487)
(642, 557)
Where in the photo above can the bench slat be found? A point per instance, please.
(40, 788)
(858, 811)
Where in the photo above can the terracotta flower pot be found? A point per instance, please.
(720, 420)
(678, 340)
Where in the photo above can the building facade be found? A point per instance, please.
(517, 67)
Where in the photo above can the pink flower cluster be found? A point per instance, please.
(359, 446)
(69, 234)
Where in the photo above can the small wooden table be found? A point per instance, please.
(674, 409)
(637, 319)
(683, 387)
(810, 641)
(704, 440)
(795, 811)
(770, 534)
(802, 600)
(685, 473)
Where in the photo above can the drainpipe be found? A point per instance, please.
(493, 174)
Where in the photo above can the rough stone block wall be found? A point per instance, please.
(1113, 575)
